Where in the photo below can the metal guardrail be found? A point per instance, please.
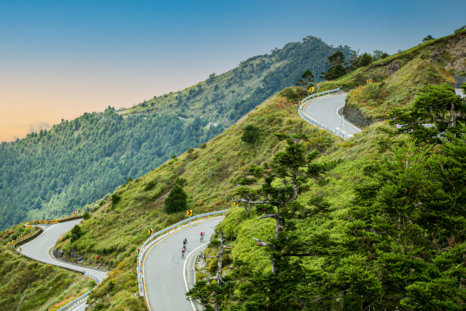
(77, 302)
(155, 237)
(308, 118)
(81, 299)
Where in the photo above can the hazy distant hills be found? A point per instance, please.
(53, 172)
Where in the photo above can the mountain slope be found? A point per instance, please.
(398, 78)
(227, 97)
(39, 286)
(53, 172)
(116, 229)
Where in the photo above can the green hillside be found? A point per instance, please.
(51, 173)
(398, 78)
(37, 285)
(348, 209)
(379, 225)
(209, 173)
(225, 98)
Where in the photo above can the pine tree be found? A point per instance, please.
(176, 200)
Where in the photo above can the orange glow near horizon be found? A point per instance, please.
(44, 102)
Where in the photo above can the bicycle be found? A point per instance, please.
(202, 236)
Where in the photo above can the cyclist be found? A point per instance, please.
(183, 250)
(185, 242)
(202, 235)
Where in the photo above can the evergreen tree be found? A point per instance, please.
(307, 79)
(280, 184)
(436, 110)
(250, 134)
(337, 69)
(176, 200)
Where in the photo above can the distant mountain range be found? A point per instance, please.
(51, 173)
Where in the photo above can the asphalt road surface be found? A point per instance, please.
(325, 110)
(164, 281)
(40, 248)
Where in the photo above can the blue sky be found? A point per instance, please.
(59, 59)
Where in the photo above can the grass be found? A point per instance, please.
(114, 231)
(44, 287)
(111, 236)
(399, 77)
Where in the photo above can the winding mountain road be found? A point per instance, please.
(325, 110)
(41, 249)
(167, 275)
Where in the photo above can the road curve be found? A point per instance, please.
(40, 249)
(325, 110)
(164, 280)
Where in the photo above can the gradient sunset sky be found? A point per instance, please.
(59, 59)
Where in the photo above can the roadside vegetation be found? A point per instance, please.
(374, 223)
(379, 226)
(38, 286)
(53, 172)
(397, 79)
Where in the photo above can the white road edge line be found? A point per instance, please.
(184, 271)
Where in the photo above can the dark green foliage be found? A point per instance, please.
(409, 225)
(79, 161)
(379, 55)
(250, 134)
(176, 200)
(399, 246)
(54, 172)
(307, 78)
(427, 38)
(76, 232)
(86, 215)
(438, 107)
(364, 60)
(150, 185)
(294, 94)
(337, 68)
(115, 199)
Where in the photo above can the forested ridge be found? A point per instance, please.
(51, 173)
(227, 97)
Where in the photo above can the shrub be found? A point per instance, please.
(115, 198)
(150, 185)
(203, 146)
(250, 134)
(76, 232)
(176, 200)
(86, 215)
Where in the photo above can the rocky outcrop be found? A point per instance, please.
(355, 116)
(58, 253)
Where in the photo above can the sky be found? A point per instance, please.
(59, 59)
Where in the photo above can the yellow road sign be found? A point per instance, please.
(151, 231)
(311, 89)
(235, 204)
(189, 212)
(138, 250)
(13, 242)
(74, 212)
(20, 236)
